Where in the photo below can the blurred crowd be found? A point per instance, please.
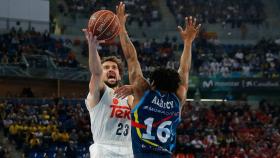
(229, 130)
(208, 130)
(151, 53)
(56, 129)
(210, 59)
(16, 43)
(142, 11)
(235, 12)
(259, 60)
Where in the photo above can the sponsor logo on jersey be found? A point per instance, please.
(119, 111)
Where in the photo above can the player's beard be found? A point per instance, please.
(112, 85)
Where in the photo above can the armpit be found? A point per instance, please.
(89, 101)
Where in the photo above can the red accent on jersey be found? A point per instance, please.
(159, 122)
(115, 101)
(137, 125)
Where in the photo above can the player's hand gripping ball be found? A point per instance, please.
(104, 24)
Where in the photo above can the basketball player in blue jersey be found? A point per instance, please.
(155, 112)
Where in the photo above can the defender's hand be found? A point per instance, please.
(124, 91)
(191, 30)
(121, 14)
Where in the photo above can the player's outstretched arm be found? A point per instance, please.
(134, 69)
(187, 34)
(96, 84)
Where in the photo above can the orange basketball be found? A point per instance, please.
(104, 24)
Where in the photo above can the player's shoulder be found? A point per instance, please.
(91, 100)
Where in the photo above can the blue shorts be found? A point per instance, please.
(151, 155)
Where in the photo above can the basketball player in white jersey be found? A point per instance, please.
(109, 115)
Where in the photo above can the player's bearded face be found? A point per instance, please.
(111, 80)
(111, 74)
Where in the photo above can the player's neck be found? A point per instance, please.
(115, 86)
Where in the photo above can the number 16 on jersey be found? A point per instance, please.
(162, 132)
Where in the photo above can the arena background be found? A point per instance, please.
(233, 99)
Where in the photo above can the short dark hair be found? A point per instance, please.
(165, 79)
(115, 60)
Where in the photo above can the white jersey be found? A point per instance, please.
(110, 126)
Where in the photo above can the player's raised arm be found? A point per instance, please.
(96, 84)
(134, 69)
(188, 34)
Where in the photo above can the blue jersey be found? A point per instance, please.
(154, 122)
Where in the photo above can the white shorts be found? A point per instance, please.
(110, 151)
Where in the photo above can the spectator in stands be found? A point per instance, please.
(55, 136)
(13, 132)
(34, 142)
(64, 138)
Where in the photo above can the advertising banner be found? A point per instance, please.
(225, 84)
